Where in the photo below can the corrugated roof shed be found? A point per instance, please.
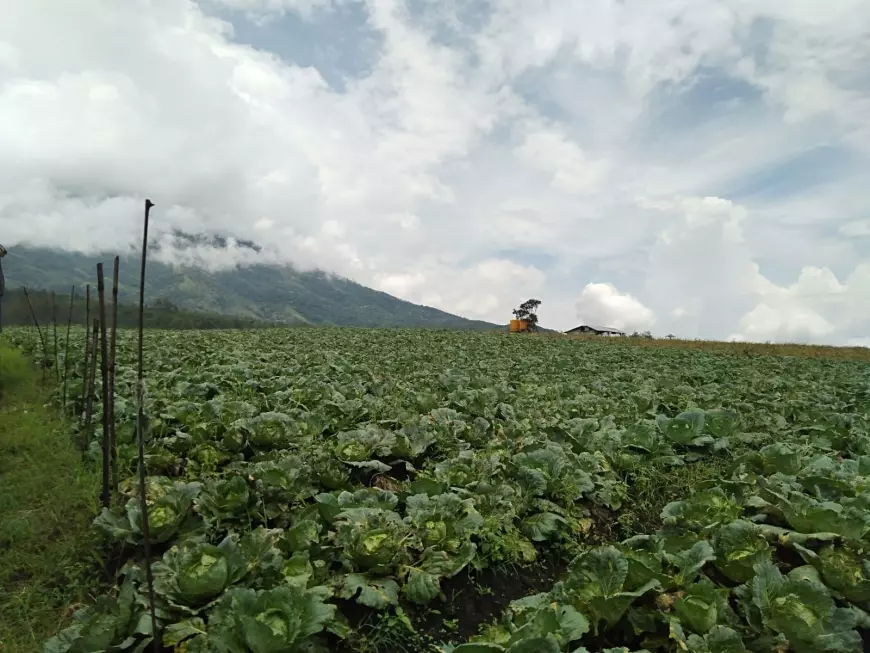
(599, 329)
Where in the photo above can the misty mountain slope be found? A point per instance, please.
(266, 292)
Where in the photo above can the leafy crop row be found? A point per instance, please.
(299, 479)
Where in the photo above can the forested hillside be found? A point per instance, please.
(261, 292)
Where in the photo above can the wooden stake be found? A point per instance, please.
(113, 353)
(2, 285)
(39, 331)
(72, 298)
(54, 328)
(140, 432)
(104, 370)
(89, 391)
(85, 380)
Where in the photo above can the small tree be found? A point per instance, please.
(528, 312)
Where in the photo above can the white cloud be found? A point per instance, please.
(400, 285)
(551, 151)
(783, 324)
(208, 256)
(637, 156)
(856, 228)
(816, 308)
(486, 290)
(601, 304)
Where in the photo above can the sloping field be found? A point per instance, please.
(388, 490)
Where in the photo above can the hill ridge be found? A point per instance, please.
(262, 291)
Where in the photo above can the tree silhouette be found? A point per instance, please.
(528, 312)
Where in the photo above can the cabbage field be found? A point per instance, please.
(390, 490)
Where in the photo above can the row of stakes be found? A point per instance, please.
(100, 337)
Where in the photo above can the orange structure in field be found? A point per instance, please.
(516, 326)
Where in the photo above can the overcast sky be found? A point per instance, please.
(698, 167)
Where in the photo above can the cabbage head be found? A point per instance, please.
(266, 621)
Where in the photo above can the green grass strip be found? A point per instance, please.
(47, 501)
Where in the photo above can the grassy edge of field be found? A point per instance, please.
(834, 353)
(48, 499)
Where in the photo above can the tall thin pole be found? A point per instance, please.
(104, 369)
(140, 430)
(2, 285)
(91, 371)
(54, 328)
(30, 335)
(85, 381)
(38, 329)
(113, 353)
(72, 298)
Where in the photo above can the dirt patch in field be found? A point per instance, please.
(473, 598)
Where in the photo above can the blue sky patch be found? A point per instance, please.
(339, 43)
(795, 173)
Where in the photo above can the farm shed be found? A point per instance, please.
(595, 330)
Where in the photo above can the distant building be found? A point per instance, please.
(595, 331)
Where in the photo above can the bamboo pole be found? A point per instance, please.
(54, 328)
(72, 298)
(85, 381)
(89, 391)
(104, 373)
(113, 353)
(39, 331)
(2, 285)
(140, 430)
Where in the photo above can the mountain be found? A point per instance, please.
(272, 293)
(19, 310)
